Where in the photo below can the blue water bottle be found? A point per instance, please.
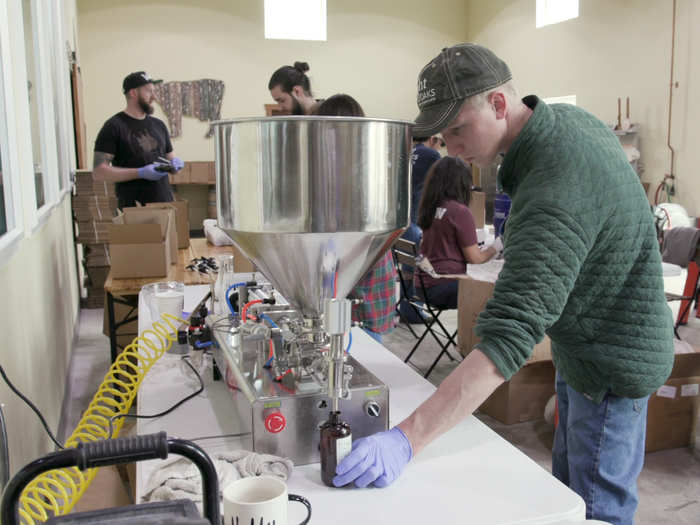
(501, 209)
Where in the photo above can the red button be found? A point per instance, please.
(275, 422)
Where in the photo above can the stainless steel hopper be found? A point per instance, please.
(313, 201)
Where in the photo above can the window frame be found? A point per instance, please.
(9, 241)
(63, 102)
(47, 132)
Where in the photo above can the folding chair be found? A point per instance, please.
(404, 253)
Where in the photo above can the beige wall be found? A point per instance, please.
(39, 306)
(616, 48)
(374, 52)
(39, 309)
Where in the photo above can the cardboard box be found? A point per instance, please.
(525, 395)
(92, 232)
(673, 411)
(200, 172)
(182, 221)
(96, 254)
(212, 173)
(182, 176)
(241, 263)
(477, 205)
(472, 299)
(143, 242)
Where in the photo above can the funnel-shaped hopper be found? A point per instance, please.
(313, 201)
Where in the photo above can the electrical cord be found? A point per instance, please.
(32, 406)
(185, 358)
(203, 438)
(228, 299)
(5, 458)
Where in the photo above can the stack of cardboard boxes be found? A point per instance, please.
(673, 417)
(196, 183)
(93, 208)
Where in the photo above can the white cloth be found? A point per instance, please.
(178, 477)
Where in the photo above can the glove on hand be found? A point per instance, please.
(177, 163)
(377, 459)
(149, 172)
(497, 245)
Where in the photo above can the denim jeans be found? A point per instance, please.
(442, 296)
(599, 451)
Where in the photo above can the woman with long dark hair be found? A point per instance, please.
(449, 232)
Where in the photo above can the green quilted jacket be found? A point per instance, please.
(582, 263)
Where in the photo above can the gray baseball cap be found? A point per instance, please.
(456, 74)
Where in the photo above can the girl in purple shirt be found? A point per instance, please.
(449, 232)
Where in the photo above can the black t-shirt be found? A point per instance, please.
(135, 143)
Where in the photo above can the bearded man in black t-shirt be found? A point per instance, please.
(133, 148)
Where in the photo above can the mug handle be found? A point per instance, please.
(305, 502)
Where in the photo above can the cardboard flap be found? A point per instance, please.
(135, 233)
(686, 365)
(139, 225)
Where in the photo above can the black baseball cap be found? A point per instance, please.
(457, 73)
(136, 80)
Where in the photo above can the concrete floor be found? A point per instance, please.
(669, 486)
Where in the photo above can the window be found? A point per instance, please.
(34, 86)
(566, 99)
(10, 193)
(60, 72)
(5, 193)
(549, 12)
(38, 43)
(295, 19)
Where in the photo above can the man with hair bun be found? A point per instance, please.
(291, 89)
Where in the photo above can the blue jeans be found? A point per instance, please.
(374, 335)
(442, 296)
(414, 234)
(599, 451)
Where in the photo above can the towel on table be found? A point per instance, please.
(680, 245)
(179, 478)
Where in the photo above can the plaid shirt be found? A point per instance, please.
(377, 289)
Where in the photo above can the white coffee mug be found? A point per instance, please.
(259, 500)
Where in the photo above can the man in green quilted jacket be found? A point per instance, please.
(582, 265)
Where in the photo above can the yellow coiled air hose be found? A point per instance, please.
(57, 491)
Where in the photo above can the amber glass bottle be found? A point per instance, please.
(336, 443)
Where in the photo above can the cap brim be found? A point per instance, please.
(156, 81)
(434, 119)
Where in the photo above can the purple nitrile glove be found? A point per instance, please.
(177, 163)
(149, 172)
(377, 459)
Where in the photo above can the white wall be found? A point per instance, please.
(374, 52)
(616, 48)
(39, 306)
